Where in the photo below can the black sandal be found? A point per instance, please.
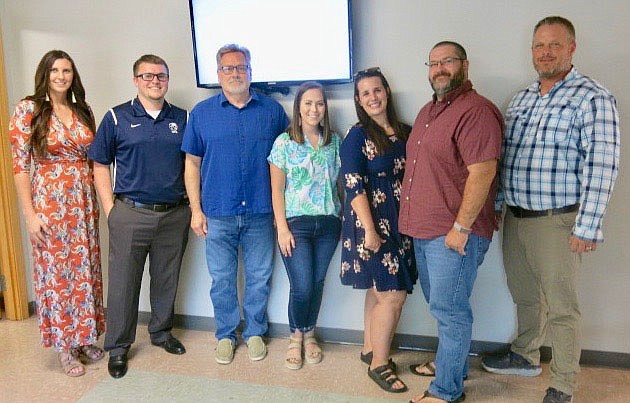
(385, 377)
(428, 395)
(367, 358)
(429, 366)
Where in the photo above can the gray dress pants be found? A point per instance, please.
(135, 233)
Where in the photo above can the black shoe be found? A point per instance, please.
(555, 396)
(117, 365)
(171, 345)
(510, 364)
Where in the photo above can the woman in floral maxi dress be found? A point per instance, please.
(50, 133)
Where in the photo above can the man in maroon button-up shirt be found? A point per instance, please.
(447, 206)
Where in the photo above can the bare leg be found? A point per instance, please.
(368, 307)
(384, 318)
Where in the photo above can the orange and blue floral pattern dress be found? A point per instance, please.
(67, 269)
(379, 177)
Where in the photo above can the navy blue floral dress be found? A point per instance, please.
(380, 177)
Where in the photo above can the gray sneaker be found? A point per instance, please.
(555, 396)
(510, 364)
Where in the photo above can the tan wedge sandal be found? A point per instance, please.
(312, 351)
(91, 353)
(69, 361)
(294, 354)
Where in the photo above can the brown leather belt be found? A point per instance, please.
(524, 213)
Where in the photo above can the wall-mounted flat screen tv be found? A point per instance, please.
(291, 41)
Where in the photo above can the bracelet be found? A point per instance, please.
(461, 229)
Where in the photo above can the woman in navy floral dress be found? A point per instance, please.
(375, 256)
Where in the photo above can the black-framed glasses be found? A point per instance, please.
(366, 72)
(150, 76)
(448, 61)
(241, 68)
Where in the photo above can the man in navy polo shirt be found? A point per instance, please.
(227, 141)
(147, 211)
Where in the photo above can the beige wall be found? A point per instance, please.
(106, 37)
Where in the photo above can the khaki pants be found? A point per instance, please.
(541, 274)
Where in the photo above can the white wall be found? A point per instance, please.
(105, 38)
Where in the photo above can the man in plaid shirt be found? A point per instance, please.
(559, 164)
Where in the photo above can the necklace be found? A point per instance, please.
(64, 114)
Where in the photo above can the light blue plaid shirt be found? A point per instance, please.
(561, 149)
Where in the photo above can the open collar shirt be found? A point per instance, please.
(233, 144)
(562, 148)
(449, 135)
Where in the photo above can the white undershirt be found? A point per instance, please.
(154, 114)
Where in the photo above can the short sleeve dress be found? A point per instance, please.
(67, 269)
(380, 177)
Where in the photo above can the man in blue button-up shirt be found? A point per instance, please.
(227, 141)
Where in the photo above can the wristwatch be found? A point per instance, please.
(461, 229)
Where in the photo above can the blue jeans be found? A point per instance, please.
(316, 239)
(447, 280)
(254, 234)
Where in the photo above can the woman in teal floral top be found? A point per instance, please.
(304, 165)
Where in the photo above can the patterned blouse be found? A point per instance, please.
(311, 175)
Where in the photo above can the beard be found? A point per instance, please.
(236, 86)
(456, 81)
(551, 71)
(547, 74)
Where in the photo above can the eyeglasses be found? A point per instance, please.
(150, 76)
(444, 62)
(241, 68)
(366, 72)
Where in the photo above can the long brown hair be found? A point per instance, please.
(43, 107)
(295, 128)
(374, 132)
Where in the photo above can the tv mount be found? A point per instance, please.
(270, 88)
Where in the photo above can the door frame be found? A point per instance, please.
(11, 251)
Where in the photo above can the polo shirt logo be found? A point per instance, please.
(173, 127)
(136, 125)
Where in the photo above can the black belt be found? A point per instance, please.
(160, 208)
(523, 213)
